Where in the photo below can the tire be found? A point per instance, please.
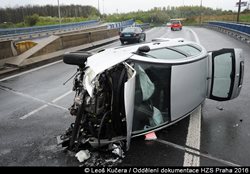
(122, 42)
(75, 131)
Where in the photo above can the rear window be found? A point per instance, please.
(130, 30)
(164, 53)
(175, 22)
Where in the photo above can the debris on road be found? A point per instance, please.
(109, 155)
(99, 159)
(117, 150)
(112, 160)
(82, 155)
(150, 136)
(236, 125)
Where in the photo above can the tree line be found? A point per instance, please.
(18, 14)
(29, 15)
(162, 15)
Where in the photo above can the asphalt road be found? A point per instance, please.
(33, 111)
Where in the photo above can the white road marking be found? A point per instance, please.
(193, 138)
(33, 98)
(32, 70)
(44, 106)
(195, 35)
(62, 96)
(194, 129)
(196, 152)
(33, 112)
(166, 35)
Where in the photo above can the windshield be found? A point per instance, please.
(175, 22)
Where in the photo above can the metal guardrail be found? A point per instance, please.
(33, 30)
(19, 34)
(124, 24)
(241, 31)
(121, 25)
(233, 26)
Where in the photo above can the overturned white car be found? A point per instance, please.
(129, 91)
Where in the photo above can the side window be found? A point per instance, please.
(191, 50)
(227, 71)
(222, 75)
(165, 53)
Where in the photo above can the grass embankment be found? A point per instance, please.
(43, 21)
(245, 18)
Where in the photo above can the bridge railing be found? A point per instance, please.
(127, 23)
(241, 31)
(32, 30)
(121, 25)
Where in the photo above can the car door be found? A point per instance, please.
(129, 92)
(226, 71)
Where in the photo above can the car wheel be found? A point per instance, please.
(122, 42)
(172, 29)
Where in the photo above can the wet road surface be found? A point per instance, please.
(33, 111)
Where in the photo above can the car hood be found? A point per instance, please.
(100, 62)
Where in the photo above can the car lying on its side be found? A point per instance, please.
(125, 92)
(132, 34)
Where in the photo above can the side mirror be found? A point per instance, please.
(143, 49)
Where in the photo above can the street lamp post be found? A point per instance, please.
(200, 11)
(59, 14)
(103, 6)
(99, 6)
(238, 14)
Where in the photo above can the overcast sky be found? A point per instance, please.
(111, 6)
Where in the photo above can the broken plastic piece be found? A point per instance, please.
(112, 160)
(236, 125)
(150, 136)
(82, 155)
(118, 150)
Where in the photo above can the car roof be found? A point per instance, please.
(112, 56)
(175, 21)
